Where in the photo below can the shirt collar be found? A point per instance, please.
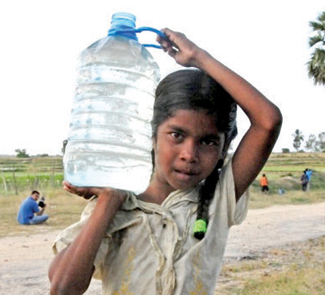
(132, 203)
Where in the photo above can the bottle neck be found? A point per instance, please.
(123, 24)
(123, 31)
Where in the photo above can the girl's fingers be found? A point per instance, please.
(172, 52)
(67, 186)
(166, 44)
(85, 192)
(179, 47)
(172, 37)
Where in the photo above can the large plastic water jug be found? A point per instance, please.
(109, 142)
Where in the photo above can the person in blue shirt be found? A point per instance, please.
(309, 172)
(29, 211)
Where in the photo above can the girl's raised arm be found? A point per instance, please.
(265, 118)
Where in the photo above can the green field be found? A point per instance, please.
(20, 176)
(43, 173)
(284, 170)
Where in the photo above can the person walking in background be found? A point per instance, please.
(304, 180)
(30, 212)
(264, 184)
(309, 172)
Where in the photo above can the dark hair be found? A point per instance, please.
(192, 89)
(35, 192)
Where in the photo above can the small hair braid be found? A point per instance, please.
(206, 194)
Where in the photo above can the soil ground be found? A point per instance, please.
(24, 259)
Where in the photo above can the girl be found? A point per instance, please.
(171, 238)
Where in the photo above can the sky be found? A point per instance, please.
(266, 42)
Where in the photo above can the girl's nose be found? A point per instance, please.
(189, 152)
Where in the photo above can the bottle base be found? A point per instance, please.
(135, 179)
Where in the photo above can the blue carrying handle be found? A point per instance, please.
(139, 30)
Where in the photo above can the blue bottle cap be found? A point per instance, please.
(124, 18)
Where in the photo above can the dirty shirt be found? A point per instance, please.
(150, 248)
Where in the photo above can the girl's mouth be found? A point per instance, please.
(186, 174)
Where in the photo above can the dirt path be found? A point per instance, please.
(24, 260)
(276, 226)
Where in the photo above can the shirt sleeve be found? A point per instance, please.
(225, 197)
(67, 236)
(35, 207)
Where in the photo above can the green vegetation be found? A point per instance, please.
(280, 273)
(295, 271)
(63, 208)
(316, 64)
(283, 172)
(21, 153)
(297, 139)
(20, 174)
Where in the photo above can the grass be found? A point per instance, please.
(282, 272)
(45, 174)
(293, 197)
(63, 209)
(295, 271)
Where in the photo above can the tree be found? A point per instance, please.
(297, 139)
(21, 153)
(311, 143)
(285, 150)
(316, 64)
(321, 140)
(314, 143)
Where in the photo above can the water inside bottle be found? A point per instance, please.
(110, 141)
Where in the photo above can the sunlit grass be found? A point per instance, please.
(63, 209)
(296, 271)
(262, 200)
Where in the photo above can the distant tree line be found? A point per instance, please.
(21, 153)
(316, 71)
(312, 144)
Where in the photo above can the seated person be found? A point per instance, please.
(29, 211)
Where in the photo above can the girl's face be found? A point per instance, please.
(187, 149)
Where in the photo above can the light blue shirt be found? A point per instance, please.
(27, 210)
(309, 173)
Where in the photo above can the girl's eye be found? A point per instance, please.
(176, 135)
(208, 142)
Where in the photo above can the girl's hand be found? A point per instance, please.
(183, 50)
(88, 192)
